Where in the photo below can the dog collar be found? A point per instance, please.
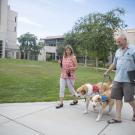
(95, 89)
(104, 98)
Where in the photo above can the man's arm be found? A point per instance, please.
(112, 66)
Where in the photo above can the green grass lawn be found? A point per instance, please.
(32, 81)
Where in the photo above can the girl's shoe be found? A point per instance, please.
(59, 106)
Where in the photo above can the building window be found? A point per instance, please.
(15, 29)
(15, 19)
(0, 48)
(0, 11)
(12, 54)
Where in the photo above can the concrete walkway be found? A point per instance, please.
(43, 119)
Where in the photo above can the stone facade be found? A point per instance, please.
(8, 31)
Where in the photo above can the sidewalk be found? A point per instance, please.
(43, 119)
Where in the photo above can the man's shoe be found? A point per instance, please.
(133, 119)
(74, 102)
(112, 121)
(59, 106)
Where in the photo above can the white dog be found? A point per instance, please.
(100, 102)
(87, 91)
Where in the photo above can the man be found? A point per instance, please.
(123, 62)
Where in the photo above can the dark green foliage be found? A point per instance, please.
(29, 46)
(93, 35)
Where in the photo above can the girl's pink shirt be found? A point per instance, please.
(66, 64)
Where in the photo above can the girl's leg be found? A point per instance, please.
(61, 93)
(62, 89)
(70, 84)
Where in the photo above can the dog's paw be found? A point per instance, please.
(85, 112)
(77, 95)
(109, 113)
(95, 110)
(97, 119)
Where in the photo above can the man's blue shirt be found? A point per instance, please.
(124, 61)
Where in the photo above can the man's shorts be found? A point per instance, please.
(120, 89)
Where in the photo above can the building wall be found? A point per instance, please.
(45, 50)
(130, 34)
(8, 30)
(4, 12)
(11, 27)
(3, 23)
(51, 44)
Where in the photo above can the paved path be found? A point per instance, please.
(43, 119)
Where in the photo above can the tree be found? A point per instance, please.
(60, 50)
(28, 46)
(94, 34)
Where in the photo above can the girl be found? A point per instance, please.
(68, 68)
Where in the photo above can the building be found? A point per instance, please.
(8, 31)
(130, 34)
(49, 52)
(51, 44)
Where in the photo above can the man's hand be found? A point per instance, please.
(112, 66)
(106, 73)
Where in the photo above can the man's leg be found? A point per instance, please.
(117, 94)
(129, 96)
(133, 106)
(119, 105)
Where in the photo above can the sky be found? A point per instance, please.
(56, 17)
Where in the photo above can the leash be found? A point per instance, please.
(105, 78)
(70, 81)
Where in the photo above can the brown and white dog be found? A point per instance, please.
(87, 91)
(100, 102)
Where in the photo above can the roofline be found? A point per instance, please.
(53, 37)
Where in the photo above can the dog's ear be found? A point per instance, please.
(84, 89)
(79, 89)
(83, 92)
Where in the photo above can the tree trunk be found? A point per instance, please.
(96, 63)
(85, 64)
(22, 55)
(28, 56)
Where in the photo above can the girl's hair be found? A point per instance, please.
(68, 47)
